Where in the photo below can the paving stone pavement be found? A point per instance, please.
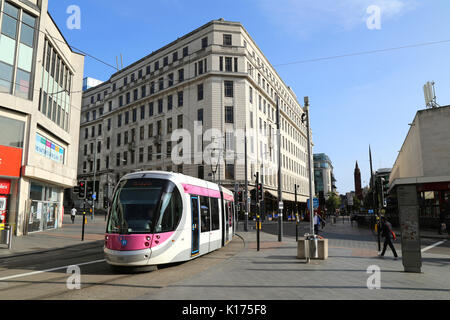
(274, 272)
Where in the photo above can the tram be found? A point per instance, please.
(159, 217)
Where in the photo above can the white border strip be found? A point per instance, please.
(433, 245)
(48, 270)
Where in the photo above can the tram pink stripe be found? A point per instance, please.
(188, 188)
(228, 197)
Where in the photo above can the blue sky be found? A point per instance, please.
(355, 101)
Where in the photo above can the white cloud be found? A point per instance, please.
(308, 16)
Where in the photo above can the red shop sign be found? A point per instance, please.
(10, 161)
(5, 186)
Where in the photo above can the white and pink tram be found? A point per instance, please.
(161, 217)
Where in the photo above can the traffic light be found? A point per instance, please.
(105, 203)
(89, 190)
(81, 189)
(260, 192)
(240, 196)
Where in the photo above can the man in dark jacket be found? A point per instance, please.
(386, 232)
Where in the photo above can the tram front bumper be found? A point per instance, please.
(127, 258)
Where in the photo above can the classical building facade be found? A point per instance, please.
(40, 102)
(212, 84)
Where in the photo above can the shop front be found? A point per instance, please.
(5, 187)
(433, 200)
(44, 207)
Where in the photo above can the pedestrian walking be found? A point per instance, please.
(73, 213)
(317, 221)
(388, 234)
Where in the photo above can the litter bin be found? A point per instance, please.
(311, 246)
(6, 235)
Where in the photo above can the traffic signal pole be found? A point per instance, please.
(258, 210)
(84, 219)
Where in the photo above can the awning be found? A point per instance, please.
(287, 196)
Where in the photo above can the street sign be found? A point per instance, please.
(280, 205)
(315, 203)
(94, 196)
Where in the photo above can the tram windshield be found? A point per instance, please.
(144, 205)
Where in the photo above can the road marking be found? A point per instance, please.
(48, 270)
(433, 245)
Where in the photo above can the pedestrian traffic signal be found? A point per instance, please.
(260, 192)
(81, 189)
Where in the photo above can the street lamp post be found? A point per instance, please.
(311, 202)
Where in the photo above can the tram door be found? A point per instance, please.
(195, 226)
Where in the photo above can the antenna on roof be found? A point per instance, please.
(430, 95)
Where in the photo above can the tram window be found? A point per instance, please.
(215, 224)
(204, 212)
(172, 209)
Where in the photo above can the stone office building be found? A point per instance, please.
(215, 76)
(40, 100)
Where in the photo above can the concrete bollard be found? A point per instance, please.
(304, 247)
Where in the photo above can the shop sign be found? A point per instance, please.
(5, 186)
(49, 149)
(10, 161)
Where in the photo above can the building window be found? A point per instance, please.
(150, 130)
(204, 42)
(149, 153)
(201, 174)
(180, 98)
(165, 61)
(160, 84)
(23, 44)
(228, 64)
(169, 102)
(160, 106)
(229, 171)
(229, 116)
(170, 76)
(152, 87)
(142, 112)
(200, 92)
(200, 115)
(169, 125)
(228, 88)
(227, 40)
(150, 109)
(185, 52)
(180, 121)
(175, 56)
(141, 133)
(181, 75)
